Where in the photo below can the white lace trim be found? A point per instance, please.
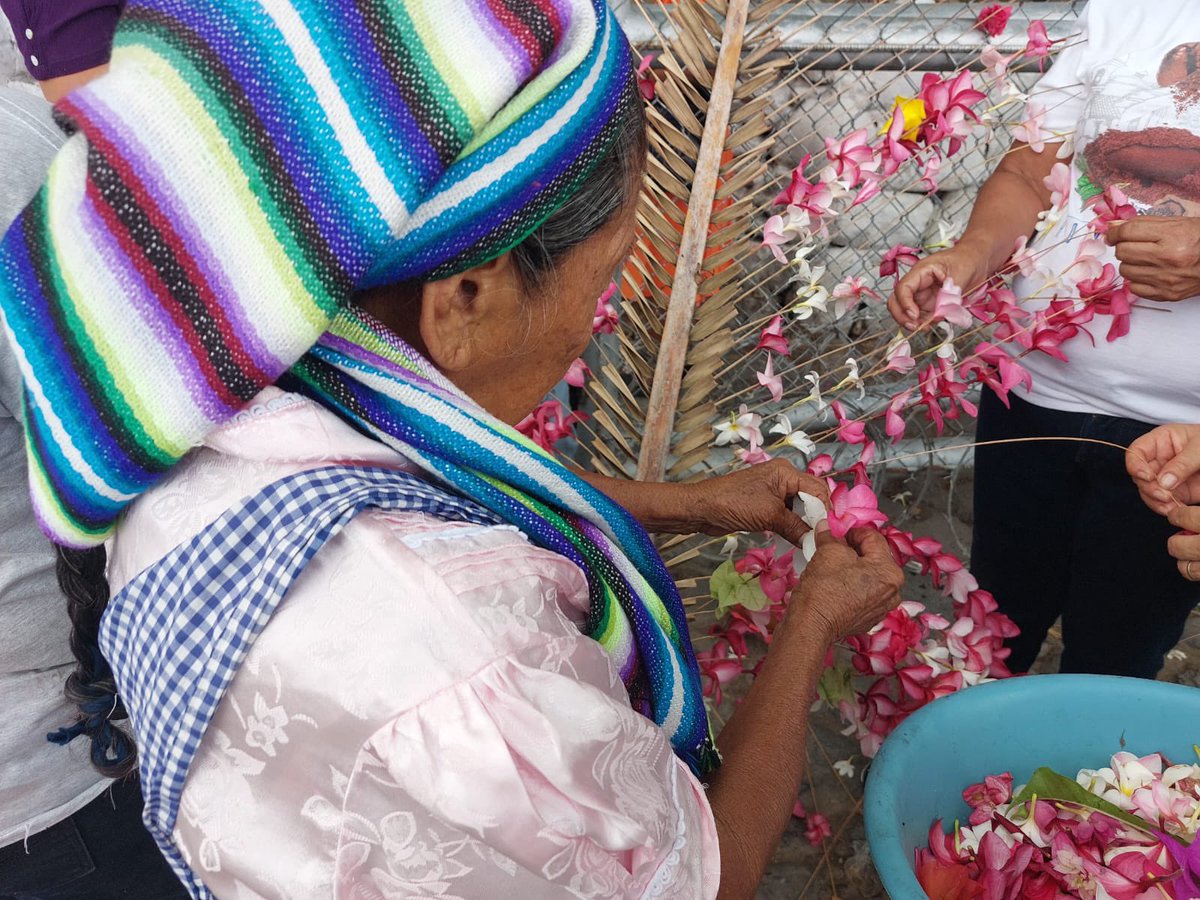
(665, 878)
(272, 405)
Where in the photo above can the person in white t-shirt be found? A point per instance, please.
(1059, 529)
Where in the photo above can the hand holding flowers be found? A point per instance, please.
(1160, 255)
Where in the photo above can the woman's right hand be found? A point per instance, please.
(915, 295)
(848, 586)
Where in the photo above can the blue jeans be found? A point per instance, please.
(1060, 530)
(103, 852)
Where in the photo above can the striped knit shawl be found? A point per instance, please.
(386, 389)
(244, 168)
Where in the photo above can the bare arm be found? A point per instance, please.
(846, 589)
(1007, 208)
(754, 499)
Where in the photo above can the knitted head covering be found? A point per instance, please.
(243, 169)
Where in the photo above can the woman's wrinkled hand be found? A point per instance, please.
(755, 499)
(915, 295)
(1159, 255)
(848, 587)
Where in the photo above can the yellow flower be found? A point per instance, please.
(913, 110)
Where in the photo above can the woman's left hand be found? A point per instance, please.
(1185, 546)
(1160, 256)
(755, 499)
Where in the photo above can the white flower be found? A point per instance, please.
(730, 546)
(740, 426)
(811, 294)
(814, 396)
(795, 439)
(844, 767)
(946, 349)
(812, 512)
(855, 379)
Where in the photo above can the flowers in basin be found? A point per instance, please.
(1124, 831)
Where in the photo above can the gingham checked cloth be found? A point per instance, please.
(177, 634)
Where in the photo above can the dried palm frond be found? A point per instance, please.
(655, 392)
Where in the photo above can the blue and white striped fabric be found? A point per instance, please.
(177, 634)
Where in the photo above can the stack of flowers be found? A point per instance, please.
(1123, 832)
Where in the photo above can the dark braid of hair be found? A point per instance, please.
(91, 686)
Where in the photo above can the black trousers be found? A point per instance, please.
(103, 852)
(1060, 530)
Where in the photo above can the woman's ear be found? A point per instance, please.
(469, 318)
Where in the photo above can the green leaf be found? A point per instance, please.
(836, 684)
(731, 588)
(1047, 784)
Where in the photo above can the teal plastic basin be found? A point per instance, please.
(1067, 722)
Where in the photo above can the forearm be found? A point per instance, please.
(764, 751)
(662, 507)
(1009, 203)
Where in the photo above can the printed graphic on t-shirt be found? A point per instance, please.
(1158, 167)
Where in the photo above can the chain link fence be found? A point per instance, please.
(837, 67)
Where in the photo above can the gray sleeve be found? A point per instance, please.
(28, 141)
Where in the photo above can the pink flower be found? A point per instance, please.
(1024, 258)
(983, 798)
(899, 255)
(1111, 206)
(899, 357)
(548, 424)
(896, 148)
(1002, 867)
(848, 430)
(931, 168)
(818, 829)
(851, 157)
(1030, 129)
(1109, 295)
(998, 370)
(894, 423)
(775, 235)
(798, 810)
(776, 574)
(772, 338)
(645, 81)
(993, 19)
(852, 507)
(949, 108)
(996, 64)
(820, 466)
(772, 382)
(577, 374)
(1038, 46)
(717, 668)
(948, 305)
(849, 293)
(1088, 260)
(605, 320)
(813, 198)
(1058, 183)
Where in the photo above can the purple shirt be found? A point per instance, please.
(62, 37)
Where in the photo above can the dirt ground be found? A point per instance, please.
(841, 867)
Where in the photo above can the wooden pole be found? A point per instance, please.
(668, 372)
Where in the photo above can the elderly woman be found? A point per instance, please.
(372, 642)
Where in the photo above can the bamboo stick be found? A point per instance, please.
(668, 373)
